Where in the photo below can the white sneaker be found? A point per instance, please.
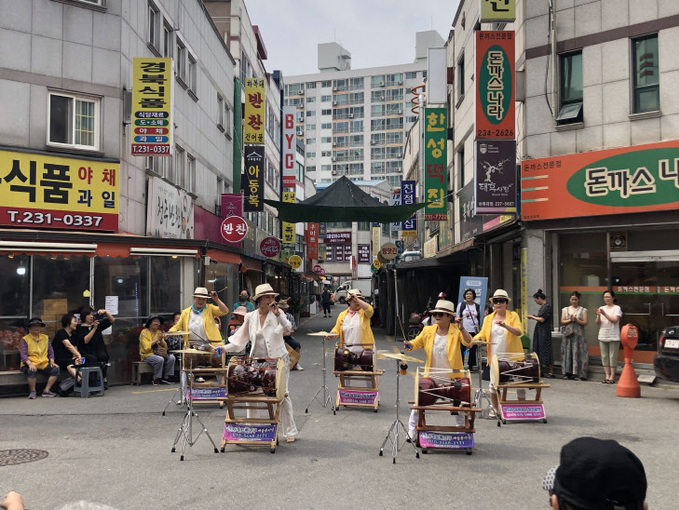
(200, 379)
(298, 367)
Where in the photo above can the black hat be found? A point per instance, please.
(598, 474)
(148, 322)
(36, 320)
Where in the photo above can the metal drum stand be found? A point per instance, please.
(324, 387)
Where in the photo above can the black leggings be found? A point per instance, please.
(99, 358)
(326, 308)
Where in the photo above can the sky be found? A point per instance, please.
(375, 32)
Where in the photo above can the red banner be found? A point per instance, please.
(312, 241)
(495, 84)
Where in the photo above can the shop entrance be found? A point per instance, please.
(647, 286)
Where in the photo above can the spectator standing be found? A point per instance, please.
(326, 299)
(470, 313)
(608, 318)
(37, 355)
(574, 352)
(542, 335)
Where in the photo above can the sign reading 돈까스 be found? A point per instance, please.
(435, 156)
(51, 191)
(152, 96)
(255, 111)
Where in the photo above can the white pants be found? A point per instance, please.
(412, 423)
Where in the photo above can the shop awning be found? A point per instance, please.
(48, 248)
(342, 201)
(226, 257)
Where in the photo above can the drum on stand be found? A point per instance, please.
(508, 368)
(456, 391)
(251, 376)
(349, 360)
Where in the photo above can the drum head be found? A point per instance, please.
(534, 355)
(494, 371)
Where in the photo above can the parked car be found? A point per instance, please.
(666, 362)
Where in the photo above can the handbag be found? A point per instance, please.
(568, 330)
(161, 351)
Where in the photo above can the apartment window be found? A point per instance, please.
(311, 113)
(326, 125)
(311, 99)
(326, 99)
(311, 85)
(93, 2)
(570, 88)
(220, 112)
(168, 42)
(74, 121)
(227, 119)
(309, 141)
(377, 110)
(181, 60)
(646, 79)
(411, 76)
(154, 26)
(190, 180)
(377, 81)
(326, 84)
(326, 112)
(326, 139)
(460, 77)
(460, 167)
(192, 73)
(310, 154)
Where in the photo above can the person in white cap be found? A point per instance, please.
(503, 330)
(441, 342)
(264, 328)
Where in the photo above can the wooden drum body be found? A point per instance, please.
(515, 368)
(455, 391)
(348, 360)
(251, 376)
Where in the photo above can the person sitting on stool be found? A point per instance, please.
(153, 350)
(37, 355)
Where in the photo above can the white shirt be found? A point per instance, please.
(440, 352)
(470, 318)
(609, 331)
(351, 327)
(498, 339)
(196, 326)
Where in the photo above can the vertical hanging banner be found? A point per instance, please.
(288, 228)
(495, 177)
(232, 204)
(289, 147)
(152, 127)
(395, 200)
(495, 84)
(237, 135)
(255, 112)
(376, 239)
(497, 11)
(408, 228)
(312, 241)
(435, 160)
(254, 179)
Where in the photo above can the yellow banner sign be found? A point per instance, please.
(289, 228)
(295, 261)
(152, 126)
(498, 11)
(51, 191)
(255, 111)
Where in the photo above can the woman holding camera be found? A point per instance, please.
(90, 340)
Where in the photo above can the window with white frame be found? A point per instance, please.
(74, 121)
(100, 3)
(179, 166)
(220, 112)
(190, 180)
(168, 39)
(192, 73)
(227, 119)
(180, 66)
(646, 82)
(153, 28)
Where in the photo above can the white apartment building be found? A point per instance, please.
(354, 121)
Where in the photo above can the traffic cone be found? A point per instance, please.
(628, 384)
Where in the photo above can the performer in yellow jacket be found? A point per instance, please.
(353, 324)
(441, 342)
(503, 330)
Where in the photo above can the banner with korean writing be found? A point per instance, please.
(289, 147)
(395, 199)
(50, 191)
(254, 179)
(615, 181)
(288, 228)
(364, 254)
(376, 230)
(495, 177)
(408, 190)
(152, 95)
(232, 204)
(337, 237)
(495, 84)
(255, 111)
(329, 252)
(169, 211)
(312, 241)
(435, 160)
(497, 11)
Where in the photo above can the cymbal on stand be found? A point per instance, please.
(323, 333)
(398, 356)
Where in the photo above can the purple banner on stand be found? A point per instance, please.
(207, 393)
(447, 440)
(357, 397)
(523, 411)
(242, 432)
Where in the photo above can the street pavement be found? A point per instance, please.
(115, 450)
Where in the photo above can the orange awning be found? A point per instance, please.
(226, 257)
(113, 250)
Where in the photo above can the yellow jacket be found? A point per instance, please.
(455, 338)
(367, 338)
(38, 352)
(211, 329)
(513, 341)
(145, 346)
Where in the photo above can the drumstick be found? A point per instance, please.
(218, 291)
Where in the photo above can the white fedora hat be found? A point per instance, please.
(444, 306)
(201, 292)
(264, 290)
(502, 294)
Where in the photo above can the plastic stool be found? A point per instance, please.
(85, 389)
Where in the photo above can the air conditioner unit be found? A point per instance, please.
(381, 84)
(334, 144)
(334, 172)
(334, 159)
(351, 115)
(334, 103)
(300, 132)
(400, 83)
(373, 142)
(301, 92)
(335, 89)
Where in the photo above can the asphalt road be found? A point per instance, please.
(115, 450)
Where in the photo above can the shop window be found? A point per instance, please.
(73, 121)
(645, 74)
(570, 88)
(165, 291)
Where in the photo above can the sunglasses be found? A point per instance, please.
(500, 301)
(438, 315)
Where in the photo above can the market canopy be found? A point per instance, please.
(342, 201)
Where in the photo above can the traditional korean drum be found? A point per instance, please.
(247, 376)
(348, 360)
(514, 369)
(454, 392)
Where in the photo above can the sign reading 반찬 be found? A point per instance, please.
(615, 181)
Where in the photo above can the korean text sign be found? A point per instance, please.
(495, 84)
(255, 111)
(408, 228)
(435, 150)
(49, 191)
(289, 236)
(498, 11)
(614, 181)
(254, 179)
(312, 241)
(169, 211)
(289, 147)
(495, 177)
(152, 128)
